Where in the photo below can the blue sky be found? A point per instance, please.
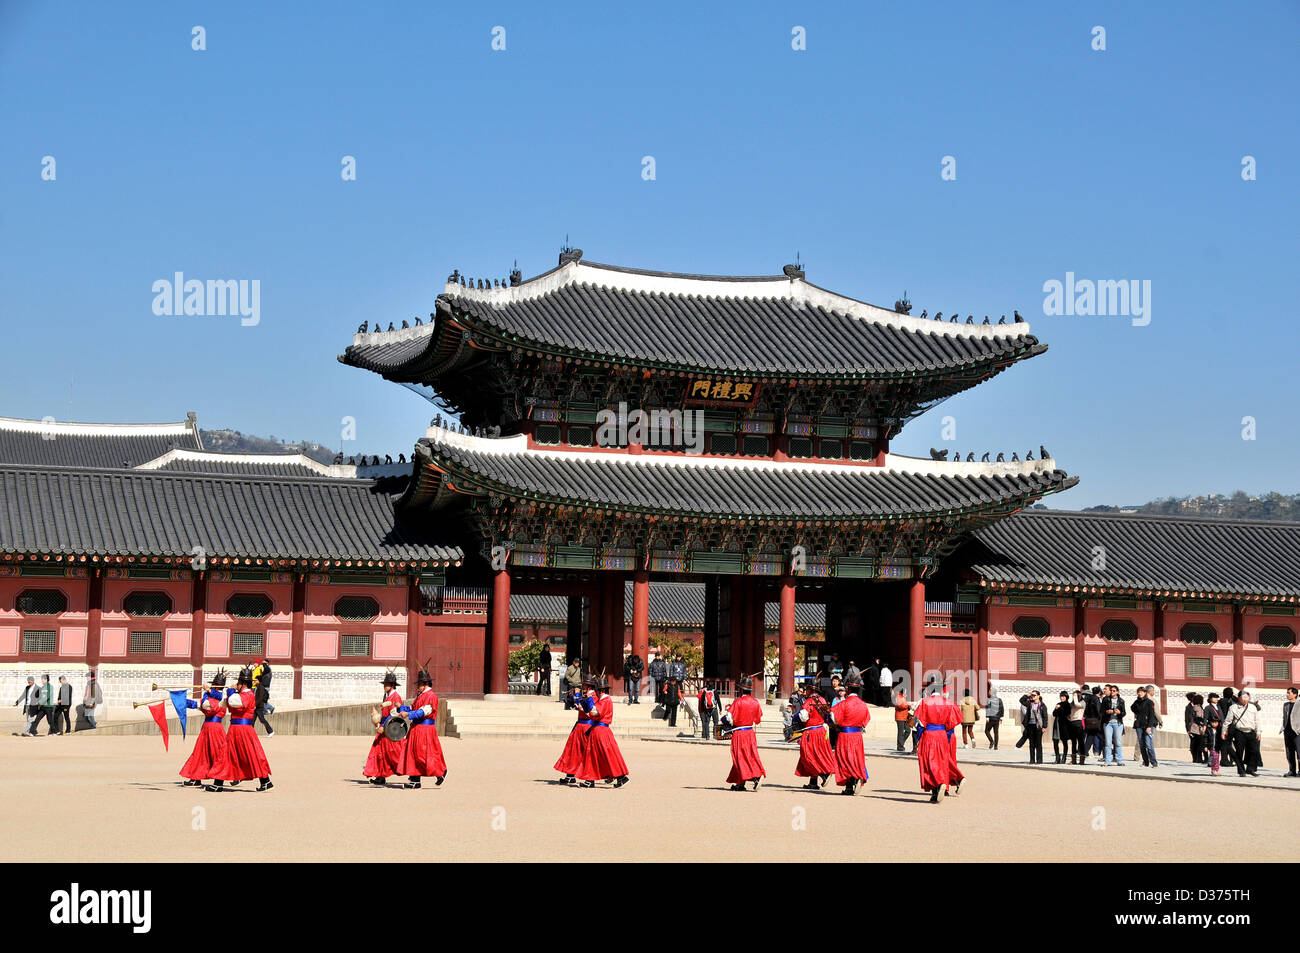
(225, 163)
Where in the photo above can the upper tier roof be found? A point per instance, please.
(702, 486)
(67, 444)
(152, 513)
(762, 326)
(1147, 554)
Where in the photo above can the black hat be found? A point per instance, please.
(219, 679)
(245, 677)
(390, 678)
(746, 684)
(602, 684)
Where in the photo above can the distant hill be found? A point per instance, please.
(1238, 506)
(232, 441)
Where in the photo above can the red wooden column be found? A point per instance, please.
(95, 617)
(1080, 633)
(414, 603)
(916, 632)
(1158, 631)
(297, 628)
(741, 604)
(1238, 648)
(498, 677)
(617, 632)
(785, 676)
(198, 622)
(982, 645)
(641, 616)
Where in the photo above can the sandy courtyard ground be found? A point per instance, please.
(87, 798)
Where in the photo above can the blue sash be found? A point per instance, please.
(208, 721)
(241, 721)
(743, 728)
(850, 730)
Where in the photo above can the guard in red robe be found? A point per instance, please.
(936, 751)
(816, 759)
(744, 713)
(385, 753)
(575, 748)
(210, 744)
(851, 715)
(423, 754)
(601, 760)
(243, 758)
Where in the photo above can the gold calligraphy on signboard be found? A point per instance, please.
(722, 391)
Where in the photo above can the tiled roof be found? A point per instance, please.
(764, 325)
(1156, 554)
(142, 513)
(734, 488)
(670, 603)
(246, 464)
(66, 444)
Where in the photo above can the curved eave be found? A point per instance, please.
(439, 479)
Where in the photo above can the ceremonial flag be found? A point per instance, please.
(178, 702)
(160, 716)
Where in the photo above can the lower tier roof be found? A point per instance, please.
(727, 488)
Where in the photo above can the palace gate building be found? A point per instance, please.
(617, 432)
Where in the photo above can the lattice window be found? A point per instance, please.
(1031, 627)
(1119, 665)
(248, 605)
(830, 449)
(548, 434)
(246, 643)
(147, 605)
(1277, 637)
(755, 446)
(354, 646)
(800, 448)
(1119, 630)
(1277, 671)
(722, 443)
(1031, 661)
(1198, 668)
(144, 643)
(39, 640)
(1198, 633)
(861, 450)
(581, 436)
(356, 608)
(41, 602)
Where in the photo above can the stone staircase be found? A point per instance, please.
(524, 716)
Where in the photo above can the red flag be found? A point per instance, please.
(160, 716)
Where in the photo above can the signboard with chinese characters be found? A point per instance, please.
(705, 390)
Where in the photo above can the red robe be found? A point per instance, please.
(385, 753)
(602, 759)
(210, 744)
(815, 755)
(243, 758)
(745, 763)
(423, 754)
(575, 749)
(850, 759)
(936, 752)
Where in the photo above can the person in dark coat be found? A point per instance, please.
(658, 675)
(672, 698)
(544, 669)
(633, 669)
(871, 683)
